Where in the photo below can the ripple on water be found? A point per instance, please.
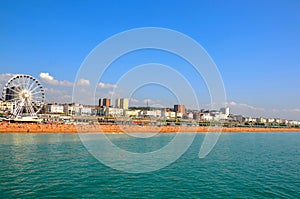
(248, 165)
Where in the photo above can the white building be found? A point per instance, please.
(7, 106)
(270, 120)
(225, 111)
(122, 103)
(179, 115)
(190, 115)
(285, 122)
(207, 117)
(250, 119)
(55, 108)
(110, 111)
(239, 118)
(77, 110)
(168, 114)
(261, 120)
(221, 117)
(150, 113)
(293, 122)
(86, 111)
(73, 109)
(132, 113)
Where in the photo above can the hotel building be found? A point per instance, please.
(104, 102)
(122, 103)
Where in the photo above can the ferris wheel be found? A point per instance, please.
(26, 94)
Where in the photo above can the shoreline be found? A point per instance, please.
(114, 129)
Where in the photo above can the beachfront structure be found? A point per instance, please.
(74, 109)
(110, 111)
(196, 116)
(270, 120)
(286, 122)
(190, 116)
(132, 113)
(214, 114)
(178, 108)
(250, 119)
(86, 111)
(261, 120)
(122, 103)
(209, 115)
(167, 114)
(293, 122)
(179, 115)
(7, 106)
(225, 111)
(150, 113)
(221, 117)
(206, 116)
(237, 118)
(104, 102)
(114, 111)
(55, 108)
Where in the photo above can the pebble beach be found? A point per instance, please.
(114, 128)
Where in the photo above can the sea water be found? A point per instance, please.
(242, 165)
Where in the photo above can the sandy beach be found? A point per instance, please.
(113, 128)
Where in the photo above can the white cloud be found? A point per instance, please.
(54, 95)
(103, 85)
(293, 110)
(133, 100)
(66, 83)
(232, 103)
(5, 77)
(83, 82)
(247, 110)
(156, 103)
(145, 101)
(253, 111)
(111, 92)
(48, 79)
(150, 102)
(293, 113)
(246, 106)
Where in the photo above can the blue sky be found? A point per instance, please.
(255, 44)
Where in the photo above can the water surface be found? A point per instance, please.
(242, 165)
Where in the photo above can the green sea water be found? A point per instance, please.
(242, 165)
